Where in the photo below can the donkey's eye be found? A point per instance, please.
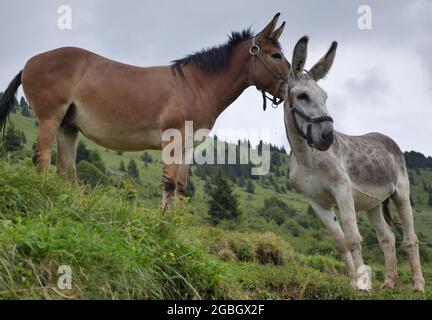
(303, 96)
(277, 55)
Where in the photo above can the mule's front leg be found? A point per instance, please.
(177, 160)
(169, 180)
(328, 217)
(182, 181)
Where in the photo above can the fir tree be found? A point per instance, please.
(223, 203)
(132, 169)
(13, 139)
(122, 167)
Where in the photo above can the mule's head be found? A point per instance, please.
(306, 100)
(269, 66)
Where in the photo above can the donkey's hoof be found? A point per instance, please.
(388, 284)
(358, 288)
(419, 285)
(419, 288)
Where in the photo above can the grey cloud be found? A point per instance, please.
(424, 51)
(368, 87)
(154, 32)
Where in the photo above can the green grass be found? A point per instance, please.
(118, 250)
(123, 250)
(115, 250)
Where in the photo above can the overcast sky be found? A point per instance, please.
(381, 79)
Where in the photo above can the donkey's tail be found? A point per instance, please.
(387, 215)
(7, 100)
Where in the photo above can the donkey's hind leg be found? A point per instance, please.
(402, 202)
(328, 217)
(67, 138)
(386, 241)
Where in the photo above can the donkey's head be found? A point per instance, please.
(269, 67)
(306, 101)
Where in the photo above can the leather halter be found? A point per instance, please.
(255, 52)
(309, 120)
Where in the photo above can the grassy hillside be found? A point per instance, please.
(118, 250)
(122, 247)
(300, 227)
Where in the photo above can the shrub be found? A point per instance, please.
(90, 174)
(276, 209)
(146, 157)
(250, 187)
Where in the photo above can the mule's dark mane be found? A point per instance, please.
(216, 58)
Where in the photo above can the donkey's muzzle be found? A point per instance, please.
(326, 139)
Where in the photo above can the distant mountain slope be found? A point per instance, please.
(273, 206)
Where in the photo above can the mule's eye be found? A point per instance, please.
(277, 55)
(303, 96)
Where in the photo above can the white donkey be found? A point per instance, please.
(351, 173)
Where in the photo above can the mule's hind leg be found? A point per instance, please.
(328, 217)
(67, 138)
(402, 202)
(386, 241)
(45, 140)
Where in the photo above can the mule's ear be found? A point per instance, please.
(266, 32)
(322, 67)
(278, 32)
(299, 56)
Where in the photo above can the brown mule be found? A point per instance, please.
(124, 107)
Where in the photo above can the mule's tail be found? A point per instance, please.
(387, 215)
(7, 100)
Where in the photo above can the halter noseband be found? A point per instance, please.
(255, 52)
(295, 111)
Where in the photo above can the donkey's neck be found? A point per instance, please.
(298, 144)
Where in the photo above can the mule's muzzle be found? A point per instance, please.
(283, 91)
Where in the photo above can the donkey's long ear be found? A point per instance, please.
(266, 32)
(322, 67)
(299, 56)
(278, 32)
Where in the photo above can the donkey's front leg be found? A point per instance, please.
(331, 223)
(353, 238)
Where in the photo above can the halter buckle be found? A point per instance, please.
(254, 50)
